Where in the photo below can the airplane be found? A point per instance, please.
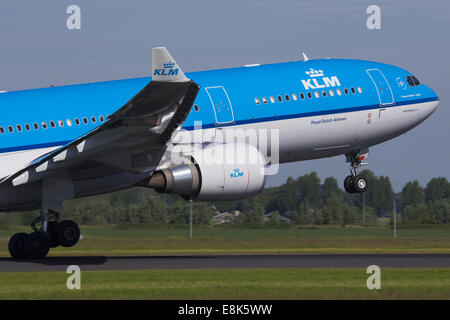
(167, 131)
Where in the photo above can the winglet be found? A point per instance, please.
(165, 68)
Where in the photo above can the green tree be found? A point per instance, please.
(330, 186)
(202, 213)
(437, 189)
(379, 195)
(309, 186)
(412, 194)
(287, 197)
(333, 211)
(255, 216)
(301, 213)
(351, 215)
(275, 217)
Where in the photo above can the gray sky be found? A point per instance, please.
(116, 38)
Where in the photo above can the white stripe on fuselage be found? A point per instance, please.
(11, 162)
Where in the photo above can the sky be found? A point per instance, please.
(115, 41)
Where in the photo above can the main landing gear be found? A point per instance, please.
(356, 183)
(51, 234)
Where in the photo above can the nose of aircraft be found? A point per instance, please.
(435, 97)
(433, 101)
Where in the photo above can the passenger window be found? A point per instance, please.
(10, 129)
(93, 119)
(77, 121)
(280, 98)
(256, 101)
(44, 125)
(27, 127)
(324, 93)
(264, 99)
(302, 96)
(69, 122)
(103, 118)
(85, 120)
(331, 93)
(287, 97)
(35, 126)
(339, 92)
(294, 96)
(316, 94)
(359, 89)
(345, 90)
(2, 130)
(19, 128)
(61, 123)
(272, 99)
(309, 95)
(52, 124)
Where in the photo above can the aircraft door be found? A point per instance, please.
(381, 84)
(221, 104)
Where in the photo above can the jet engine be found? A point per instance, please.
(218, 172)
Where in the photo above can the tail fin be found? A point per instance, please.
(164, 67)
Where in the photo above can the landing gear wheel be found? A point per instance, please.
(68, 233)
(348, 184)
(53, 240)
(360, 183)
(36, 245)
(16, 246)
(356, 183)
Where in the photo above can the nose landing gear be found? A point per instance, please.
(355, 182)
(51, 234)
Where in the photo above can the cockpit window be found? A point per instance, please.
(412, 81)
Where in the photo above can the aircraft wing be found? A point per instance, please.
(135, 137)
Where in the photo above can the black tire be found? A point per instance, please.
(360, 184)
(16, 246)
(348, 184)
(53, 240)
(68, 233)
(37, 246)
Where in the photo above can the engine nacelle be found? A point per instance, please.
(217, 172)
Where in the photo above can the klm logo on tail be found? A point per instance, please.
(167, 70)
(317, 80)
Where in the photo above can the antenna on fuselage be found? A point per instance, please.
(305, 57)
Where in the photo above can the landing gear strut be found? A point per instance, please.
(51, 234)
(355, 182)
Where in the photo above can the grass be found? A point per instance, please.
(327, 283)
(429, 283)
(112, 240)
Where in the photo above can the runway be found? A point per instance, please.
(173, 262)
